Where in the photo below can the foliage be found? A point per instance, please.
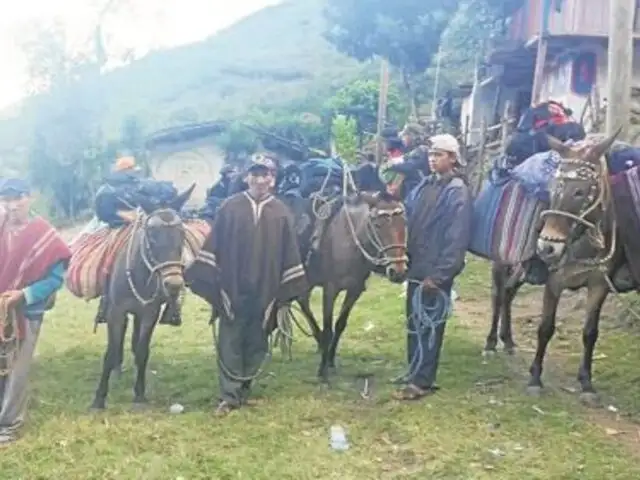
(287, 66)
(345, 135)
(359, 99)
(406, 33)
(480, 424)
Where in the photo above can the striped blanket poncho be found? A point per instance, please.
(95, 250)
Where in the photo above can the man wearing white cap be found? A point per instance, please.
(439, 217)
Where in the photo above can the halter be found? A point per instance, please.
(597, 198)
(157, 270)
(380, 257)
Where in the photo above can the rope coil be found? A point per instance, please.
(425, 317)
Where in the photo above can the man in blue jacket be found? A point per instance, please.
(439, 216)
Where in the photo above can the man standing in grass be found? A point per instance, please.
(249, 267)
(439, 217)
(33, 260)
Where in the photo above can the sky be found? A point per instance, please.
(137, 25)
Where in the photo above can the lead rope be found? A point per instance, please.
(8, 343)
(424, 318)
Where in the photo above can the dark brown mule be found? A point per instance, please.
(578, 241)
(145, 275)
(368, 233)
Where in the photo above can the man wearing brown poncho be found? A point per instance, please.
(249, 268)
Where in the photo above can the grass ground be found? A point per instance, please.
(480, 425)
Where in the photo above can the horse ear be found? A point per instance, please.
(603, 147)
(558, 146)
(179, 202)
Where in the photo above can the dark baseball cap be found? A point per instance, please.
(14, 187)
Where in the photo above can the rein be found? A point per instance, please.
(155, 268)
(321, 208)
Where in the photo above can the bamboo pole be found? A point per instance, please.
(382, 107)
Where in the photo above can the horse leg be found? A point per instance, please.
(115, 337)
(329, 295)
(147, 326)
(117, 369)
(545, 332)
(305, 307)
(498, 281)
(350, 300)
(506, 334)
(596, 296)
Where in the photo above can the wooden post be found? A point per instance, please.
(541, 57)
(382, 107)
(481, 154)
(620, 61)
(541, 52)
(505, 128)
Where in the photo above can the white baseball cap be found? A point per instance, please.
(446, 143)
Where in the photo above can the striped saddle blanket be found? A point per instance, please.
(94, 252)
(504, 222)
(625, 189)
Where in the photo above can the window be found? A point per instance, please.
(583, 73)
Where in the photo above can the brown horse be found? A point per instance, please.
(145, 275)
(578, 243)
(367, 234)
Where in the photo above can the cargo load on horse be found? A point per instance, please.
(121, 203)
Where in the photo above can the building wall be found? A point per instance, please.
(556, 83)
(566, 17)
(186, 163)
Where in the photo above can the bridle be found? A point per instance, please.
(596, 199)
(157, 270)
(380, 257)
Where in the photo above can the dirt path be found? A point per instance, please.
(474, 312)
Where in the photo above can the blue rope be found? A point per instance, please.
(425, 316)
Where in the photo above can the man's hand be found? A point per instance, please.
(13, 297)
(429, 284)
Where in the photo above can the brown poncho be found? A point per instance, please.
(252, 248)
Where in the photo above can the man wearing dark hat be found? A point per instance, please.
(33, 261)
(249, 267)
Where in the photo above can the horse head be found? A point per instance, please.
(162, 235)
(579, 197)
(385, 233)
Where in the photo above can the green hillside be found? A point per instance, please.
(274, 57)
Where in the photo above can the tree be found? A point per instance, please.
(359, 100)
(67, 154)
(345, 135)
(405, 32)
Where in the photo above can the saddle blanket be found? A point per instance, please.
(625, 188)
(94, 252)
(504, 223)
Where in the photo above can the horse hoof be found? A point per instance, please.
(96, 407)
(590, 399)
(488, 352)
(534, 390)
(510, 350)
